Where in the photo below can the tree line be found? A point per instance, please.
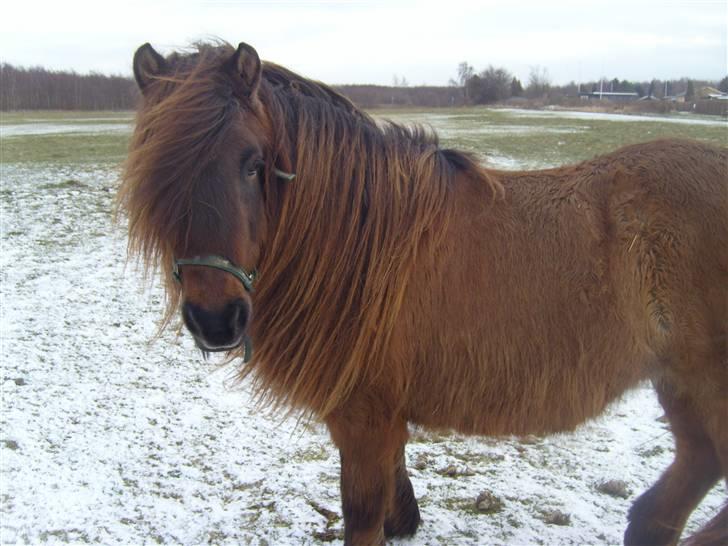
(496, 84)
(37, 88)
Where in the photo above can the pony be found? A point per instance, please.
(371, 279)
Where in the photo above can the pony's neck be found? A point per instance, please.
(345, 237)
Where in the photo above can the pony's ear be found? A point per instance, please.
(246, 69)
(147, 65)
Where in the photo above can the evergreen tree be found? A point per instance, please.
(516, 87)
(723, 85)
(690, 91)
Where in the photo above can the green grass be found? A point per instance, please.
(86, 142)
(536, 139)
(70, 149)
(525, 139)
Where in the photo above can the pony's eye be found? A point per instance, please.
(254, 169)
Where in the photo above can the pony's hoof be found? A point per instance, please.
(405, 524)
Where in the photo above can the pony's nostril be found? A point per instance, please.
(188, 316)
(237, 316)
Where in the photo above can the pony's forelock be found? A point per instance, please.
(180, 124)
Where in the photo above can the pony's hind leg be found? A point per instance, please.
(659, 515)
(403, 514)
(715, 533)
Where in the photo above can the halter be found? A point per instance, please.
(223, 264)
(217, 262)
(284, 175)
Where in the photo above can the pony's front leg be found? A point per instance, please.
(369, 448)
(403, 516)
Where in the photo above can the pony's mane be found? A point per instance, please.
(369, 203)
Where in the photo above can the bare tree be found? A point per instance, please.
(398, 81)
(539, 82)
(465, 72)
(37, 88)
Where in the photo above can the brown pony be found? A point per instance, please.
(399, 282)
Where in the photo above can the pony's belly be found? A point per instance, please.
(533, 398)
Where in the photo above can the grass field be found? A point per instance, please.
(503, 138)
(68, 138)
(107, 437)
(534, 139)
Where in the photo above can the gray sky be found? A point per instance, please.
(372, 41)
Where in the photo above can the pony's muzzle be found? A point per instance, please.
(217, 330)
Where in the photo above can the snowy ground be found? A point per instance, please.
(108, 436)
(22, 129)
(681, 117)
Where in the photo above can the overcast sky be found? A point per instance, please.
(341, 41)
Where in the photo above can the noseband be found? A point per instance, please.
(223, 264)
(217, 262)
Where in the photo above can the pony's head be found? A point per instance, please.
(194, 184)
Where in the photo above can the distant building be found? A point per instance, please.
(609, 95)
(711, 93)
(680, 97)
